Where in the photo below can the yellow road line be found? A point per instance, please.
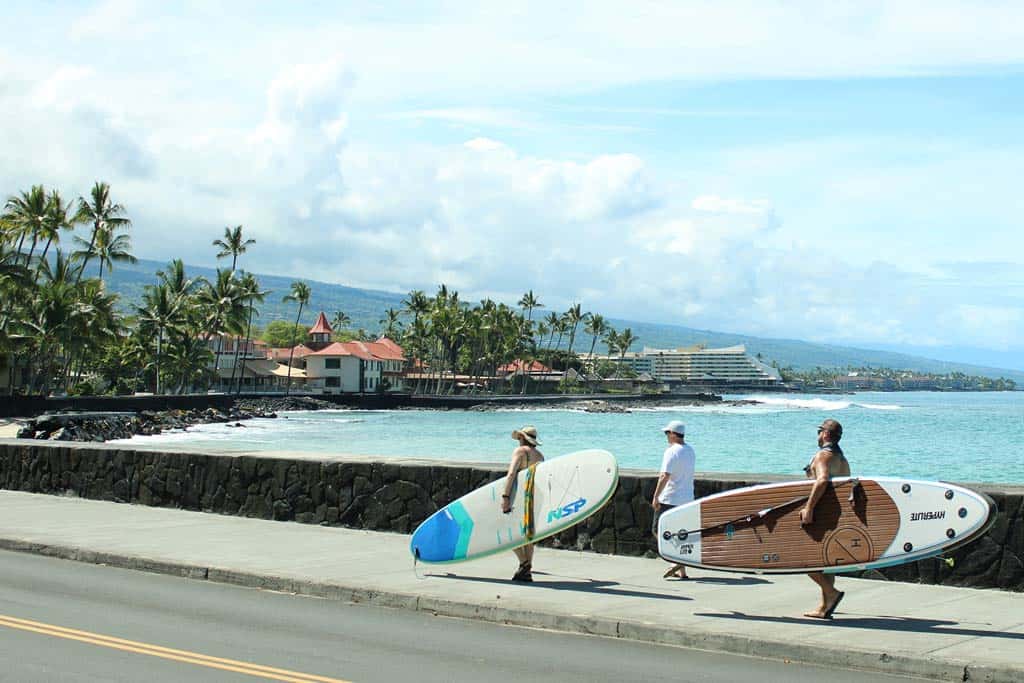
(164, 652)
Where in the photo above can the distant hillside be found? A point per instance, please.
(366, 308)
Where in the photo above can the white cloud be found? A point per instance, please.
(267, 129)
(715, 204)
(110, 19)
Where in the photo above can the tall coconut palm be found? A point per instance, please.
(340, 321)
(105, 217)
(611, 340)
(107, 248)
(26, 214)
(94, 325)
(391, 323)
(224, 306)
(232, 245)
(251, 292)
(595, 326)
(58, 217)
(160, 313)
(624, 341)
(300, 294)
(573, 317)
(529, 302)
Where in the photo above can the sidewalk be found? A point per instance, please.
(930, 631)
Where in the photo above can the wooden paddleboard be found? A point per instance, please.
(859, 523)
(567, 490)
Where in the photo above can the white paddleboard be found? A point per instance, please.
(567, 490)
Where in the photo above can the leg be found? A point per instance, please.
(677, 570)
(525, 557)
(830, 597)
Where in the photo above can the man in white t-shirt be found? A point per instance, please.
(675, 480)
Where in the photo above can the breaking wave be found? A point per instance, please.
(820, 403)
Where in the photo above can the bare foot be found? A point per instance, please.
(826, 610)
(678, 571)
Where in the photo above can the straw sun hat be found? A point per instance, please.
(528, 434)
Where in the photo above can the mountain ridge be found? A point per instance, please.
(366, 307)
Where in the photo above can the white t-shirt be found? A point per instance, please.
(679, 461)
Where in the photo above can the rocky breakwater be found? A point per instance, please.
(106, 426)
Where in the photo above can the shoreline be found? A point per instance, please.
(108, 425)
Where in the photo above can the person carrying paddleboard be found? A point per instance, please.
(675, 480)
(828, 462)
(524, 457)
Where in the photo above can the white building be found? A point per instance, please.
(346, 367)
(730, 365)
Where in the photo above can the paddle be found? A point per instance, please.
(682, 534)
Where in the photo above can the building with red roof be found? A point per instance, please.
(332, 367)
(318, 365)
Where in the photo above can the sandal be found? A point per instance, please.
(524, 573)
(677, 570)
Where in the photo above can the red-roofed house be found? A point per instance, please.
(345, 367)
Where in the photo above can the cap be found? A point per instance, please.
(676, 427)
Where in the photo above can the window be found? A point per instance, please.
(332, 363)
(333, 381)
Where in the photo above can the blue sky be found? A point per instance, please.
(847, 174)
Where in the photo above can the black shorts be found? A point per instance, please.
(657, 515)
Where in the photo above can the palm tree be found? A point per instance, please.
(57, 218)
(26, 214)
(340, 321)
(107, 248)
(611, 340)
(300, 293)
(251, 292)
(232, 245)
(624, 341)
(595, 326)
(224, 305)
(104, 215)
(571, 320)
(529, 302)
(161, 312)
(391, 322)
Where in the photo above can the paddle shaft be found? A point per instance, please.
(761, 514)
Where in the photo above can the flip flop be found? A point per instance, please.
(674, 571)
(832, 607)
(811, 615)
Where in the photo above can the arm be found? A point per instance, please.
(510, 480)
(819, 467)
(662, 480)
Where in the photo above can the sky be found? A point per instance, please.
(844, 172)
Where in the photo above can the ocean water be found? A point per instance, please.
(965, 437)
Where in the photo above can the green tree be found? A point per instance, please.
(160, 312)
(300, 294)
(232, 245)
(106, 219)
(281, 334)
(26, 214)
(252, 295)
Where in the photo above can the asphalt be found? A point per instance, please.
(937, 632)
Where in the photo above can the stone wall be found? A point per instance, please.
(396, 495)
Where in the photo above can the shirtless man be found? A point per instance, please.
(828, 462)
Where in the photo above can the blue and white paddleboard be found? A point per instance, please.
(567, 490)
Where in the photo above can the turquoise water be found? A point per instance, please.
(971, 437)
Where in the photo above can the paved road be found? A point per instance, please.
(67, 621)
